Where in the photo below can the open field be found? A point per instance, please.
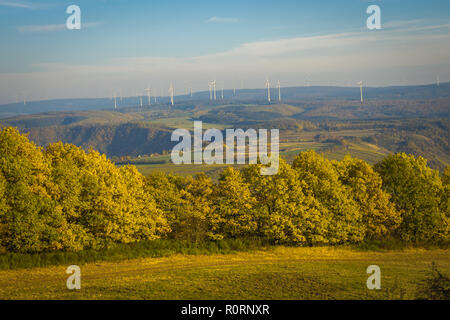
(186, 123)
(274, 273)
(290, 147)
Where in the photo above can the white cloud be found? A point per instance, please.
(42, 28)
(17, 4)
(221, 19)
(53, 27)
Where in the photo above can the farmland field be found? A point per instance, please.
(272, 273)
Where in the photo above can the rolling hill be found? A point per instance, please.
(289, 94)
(393, 119)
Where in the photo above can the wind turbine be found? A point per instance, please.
(171, 93)
(214, 87)
(149, 95)
(137, 97)
(115, 101)
(140, 101)
(268, 89)
(361, 88)
(210, 90)
(222, 93)
(279, 91)
(437, 81)
(191, 92)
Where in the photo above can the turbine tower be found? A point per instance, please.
(140, 101)
(279, 91)
(149, 95)
(268, 90)
(222, 93)
(171, 93)
(361, 88)
(115, 101)
(214, 87)
(210, 90)
(137, 97)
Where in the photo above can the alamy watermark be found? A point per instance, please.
(374, 20)
(73, 22)
(190, 149)
(374, 281)
(74, 280)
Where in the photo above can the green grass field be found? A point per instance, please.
(289, 149)
(273, 273)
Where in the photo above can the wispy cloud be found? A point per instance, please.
(327, 54)
(42, 28)
(17, 4)
(380, 58)
(53, 27)
(221, 19)
(416, 25)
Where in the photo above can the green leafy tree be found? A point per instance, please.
(187, 204)
(167, 191)
(336, 202)
(286, 211)
(234, 203)
(31, 220)
(446, 194)
(103, 204)
(3, 208)
(67, 163)
(146, 220)
(379, 215)
(198, 222)
(417, 192)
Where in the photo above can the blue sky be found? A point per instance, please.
(129, 45)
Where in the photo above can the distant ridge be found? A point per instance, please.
(422, 92)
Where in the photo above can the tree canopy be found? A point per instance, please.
(64, 198)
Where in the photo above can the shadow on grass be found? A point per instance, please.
(144, 249)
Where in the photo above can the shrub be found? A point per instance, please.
(435, 287)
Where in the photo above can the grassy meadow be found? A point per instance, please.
(290, 147)
(266, 273)
(214, 270)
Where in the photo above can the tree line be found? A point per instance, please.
(63, 198)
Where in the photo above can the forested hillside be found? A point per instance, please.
(62, 198)
(334, 125)
(130, 139)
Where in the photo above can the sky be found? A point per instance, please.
(125, 46)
